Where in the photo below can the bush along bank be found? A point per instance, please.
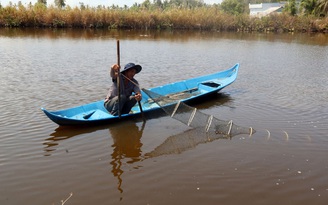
(199, 18)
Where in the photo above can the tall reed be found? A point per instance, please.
(201, 18)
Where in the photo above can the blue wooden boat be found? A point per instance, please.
(187, 90)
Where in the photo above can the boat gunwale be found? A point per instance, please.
(64, 121)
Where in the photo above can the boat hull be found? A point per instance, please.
(187, 90)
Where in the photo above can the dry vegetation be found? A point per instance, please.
(201, 18)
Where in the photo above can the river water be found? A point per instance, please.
(280, 91)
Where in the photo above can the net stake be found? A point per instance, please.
(209, 122)
(175, 109)
(192, 116)
(230, 122)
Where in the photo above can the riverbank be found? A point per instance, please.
(201, 18)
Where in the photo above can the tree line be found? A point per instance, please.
(230, 15)
(293, 7)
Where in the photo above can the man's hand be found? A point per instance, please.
(114, 70)
(138, 96)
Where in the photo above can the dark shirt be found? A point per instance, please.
(126, 90)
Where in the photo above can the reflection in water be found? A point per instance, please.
(126, 145)
(189, 139)
(175, 35)
(59, 134)
(63, 133)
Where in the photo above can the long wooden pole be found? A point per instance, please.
(119, 86)
(118, 79)
(141, 111)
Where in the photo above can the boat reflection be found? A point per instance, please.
(63, 133)
(127, 144)
(126, 148)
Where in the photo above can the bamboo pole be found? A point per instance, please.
(118, 79)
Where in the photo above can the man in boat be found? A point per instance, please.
(128, 85)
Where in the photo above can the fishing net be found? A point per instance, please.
(192, 117)
(204, 128)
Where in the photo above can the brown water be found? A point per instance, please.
(281, 91)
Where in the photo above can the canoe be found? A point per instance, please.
(187, 90)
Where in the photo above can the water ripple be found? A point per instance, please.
(280, 92)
